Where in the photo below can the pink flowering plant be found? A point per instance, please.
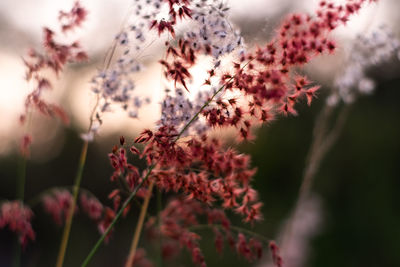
(206, 180)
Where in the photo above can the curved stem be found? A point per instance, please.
(139, 226)
(68, 224)
(323, 140)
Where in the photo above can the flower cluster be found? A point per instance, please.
(266, 77)
(177, 110)
(114, 84)
(212, 31)
(211, 34)
(17, 217)
(367, 51)
(200, 168)
(91, 206)
(72, 19)
(263, 79)
(181, 218)
(55, 56)
(57, 203)
(206, 176)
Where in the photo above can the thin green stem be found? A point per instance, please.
(117, 216)
(20, 188)
(20, 194)
(17, 253)
(68, 224)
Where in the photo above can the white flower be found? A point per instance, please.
(367, 51)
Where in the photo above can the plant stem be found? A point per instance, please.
(17, 253)
(20, 192)
(323, 140)
(322, 143)
(68, 224)
(139, 226)
(20, 188)
(117, 216)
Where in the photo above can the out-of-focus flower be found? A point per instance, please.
(57, 204)
(55, 56)
(17, 217)
(91, 206)
(366, 52)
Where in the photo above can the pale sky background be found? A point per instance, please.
(21, 23)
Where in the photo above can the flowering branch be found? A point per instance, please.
(134, 192)
(200, 169)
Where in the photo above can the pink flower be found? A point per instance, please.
(57, 204)
(91, 206)
(18, 218)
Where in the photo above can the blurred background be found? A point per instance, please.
(354, 211)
